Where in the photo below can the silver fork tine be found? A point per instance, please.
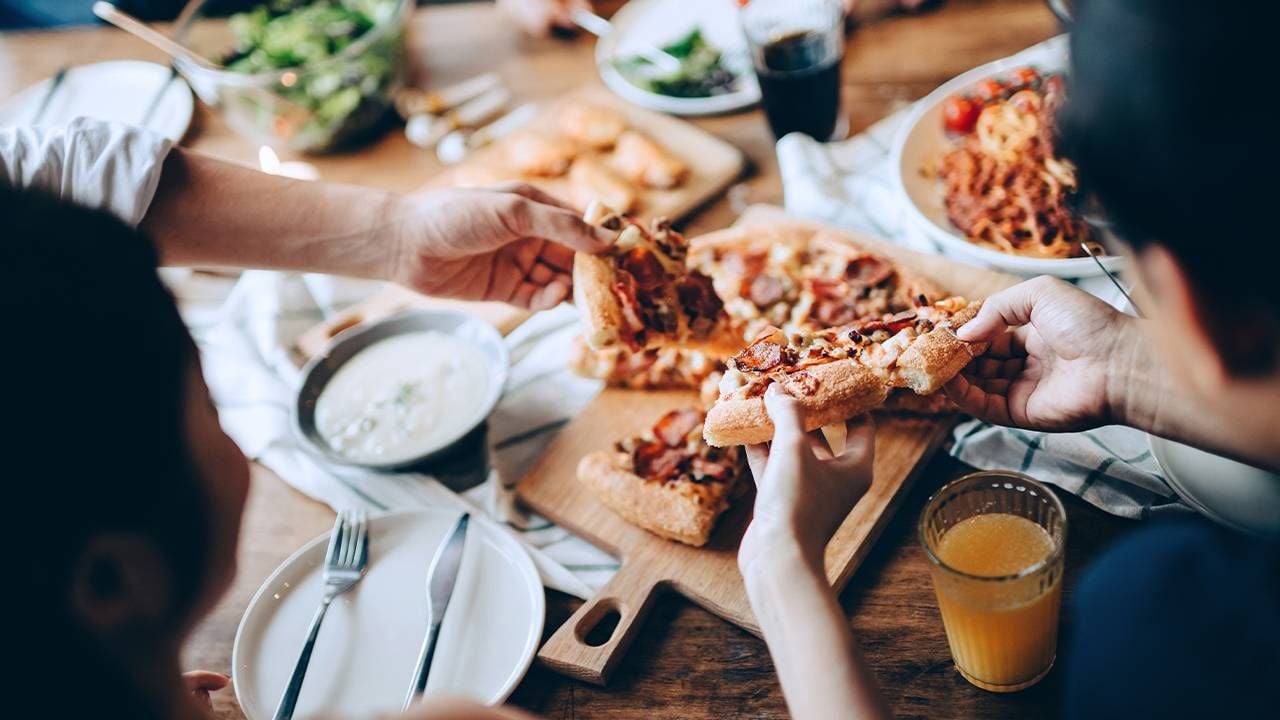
(335, 541)
(349, 547)
(362, 536)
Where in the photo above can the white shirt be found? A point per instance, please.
(96, 164)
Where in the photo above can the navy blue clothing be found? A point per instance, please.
(1178, 620)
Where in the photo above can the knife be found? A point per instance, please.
(440, 581)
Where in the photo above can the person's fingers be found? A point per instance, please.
(529, 218)
(540, 274)
(205, 680)
(757, 458)
(995, 368)
(531, 192)
(819, 445)
(556, 255)
(972, 399)
(859, 445)
(1010, 307)
(550, 295)
(787, 417)
(994, 386)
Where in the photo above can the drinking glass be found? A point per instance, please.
(796, 48)
(1003, 629)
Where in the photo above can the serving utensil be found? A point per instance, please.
(454, 147)
(344, 565)
(1091, 250)
(600, 27)
(441, 579)
(148, 34)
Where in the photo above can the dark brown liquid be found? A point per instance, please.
(800, 84)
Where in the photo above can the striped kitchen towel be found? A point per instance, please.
(850, 184)
(244, 348)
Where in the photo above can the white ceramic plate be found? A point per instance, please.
(659, 22)
(921, 141)
(1237, 495)
(370, 639)
(117, 91)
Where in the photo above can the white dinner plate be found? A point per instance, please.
(1237, 495)
(922, 141)
(118, 91)
(660, 22)
(369, 643)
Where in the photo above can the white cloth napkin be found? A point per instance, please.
(244, 349)
(850, 184)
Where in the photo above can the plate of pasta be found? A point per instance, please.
(977, 167)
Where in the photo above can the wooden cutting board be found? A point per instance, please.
(709, 575)
(713, 163)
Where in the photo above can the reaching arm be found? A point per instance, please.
(802, 496)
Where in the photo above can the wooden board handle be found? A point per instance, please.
(584, 647)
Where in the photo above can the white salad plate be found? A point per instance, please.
(1237, 495)
(661, 22)
(368, 646)
(922, 141)
(117, 91)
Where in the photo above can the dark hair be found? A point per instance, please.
(93, 367)
(1167, 122)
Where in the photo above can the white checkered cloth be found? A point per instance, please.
(849, 184)
(243, 346)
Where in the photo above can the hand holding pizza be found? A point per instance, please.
(510, 243)
(802, 492)
(1057, 360)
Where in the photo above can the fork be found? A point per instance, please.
(343, 567)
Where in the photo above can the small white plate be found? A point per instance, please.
(117, 91)
(660, 22)
(1237, 495)
(921, 142)
(370, 639)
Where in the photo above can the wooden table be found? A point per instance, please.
(688, 664)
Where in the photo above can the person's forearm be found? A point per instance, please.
(207, 212)
(1143, 395)
(818, 664)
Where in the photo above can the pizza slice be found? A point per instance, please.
(639, 294)
(668, 481)
(839, 373)
(667, 368)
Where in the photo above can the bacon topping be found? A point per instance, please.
(765, 290)
(834, 312)
(868, 270)
(763, 355)
(676, 425)
(624, 288)
(654, 460)
(698, 296)
(710, 469)
(644, 266)
(893, 323)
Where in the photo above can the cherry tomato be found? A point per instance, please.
(960, 114)
(1024, 77)
(991, 89)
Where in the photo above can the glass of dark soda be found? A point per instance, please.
(796, 46)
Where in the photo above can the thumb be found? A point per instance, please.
(787, 417)
(1011, 307)
(534, 218)
(205, 680)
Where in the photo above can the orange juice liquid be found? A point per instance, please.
(1003, 633)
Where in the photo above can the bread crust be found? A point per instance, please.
(654, 506)
(937, 356)
(845, 389)
(601, 313)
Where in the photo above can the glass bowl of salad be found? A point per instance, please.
(304, 75)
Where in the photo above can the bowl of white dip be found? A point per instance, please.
(397, 393)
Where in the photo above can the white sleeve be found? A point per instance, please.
(96, 164)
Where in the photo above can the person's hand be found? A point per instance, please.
(802, 492)
(202, 682)
(538, 17)
(512, 243)
(1054, 362)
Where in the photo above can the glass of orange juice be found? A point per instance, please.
(995, 540)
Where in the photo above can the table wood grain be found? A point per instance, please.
(687, 663)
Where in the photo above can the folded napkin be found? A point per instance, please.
(244, 348)
(850, 184)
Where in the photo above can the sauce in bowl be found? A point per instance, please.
(403, 397)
